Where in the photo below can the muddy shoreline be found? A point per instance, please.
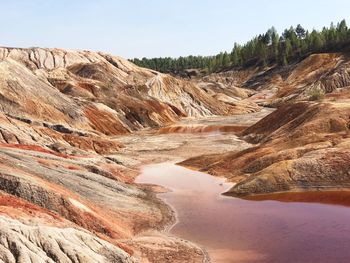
(296, 212)
(168, 210)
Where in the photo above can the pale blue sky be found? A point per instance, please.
(153, 28)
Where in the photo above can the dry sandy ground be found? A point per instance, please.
(191, 137)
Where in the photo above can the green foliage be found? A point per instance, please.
(264, 49)
(316, 94)
(300, 31)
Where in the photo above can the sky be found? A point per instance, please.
(156, 28)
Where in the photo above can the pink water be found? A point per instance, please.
(236, 230)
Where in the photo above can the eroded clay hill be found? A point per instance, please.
(74, 96)
(303, 146)
(63, 197)
(278, 85)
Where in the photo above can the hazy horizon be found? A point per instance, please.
(155, 28)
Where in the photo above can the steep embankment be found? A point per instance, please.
(302, 146)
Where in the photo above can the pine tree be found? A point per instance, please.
(225, 60)
(275, 43)
(288, 47)
(294, 44)
(316, 41)
(284, 60)
(236, 56)
(300, 31)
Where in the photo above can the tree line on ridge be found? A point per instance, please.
(263, 50)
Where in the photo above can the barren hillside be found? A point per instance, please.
(300, 146)
(276, 85)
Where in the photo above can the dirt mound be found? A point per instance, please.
(302, 146)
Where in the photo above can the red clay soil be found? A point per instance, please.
(99, 145)
(119, 173)
(88, 87)
(24, 206)
(34, 148)
(104, 121)
(97, 219)
(302, 145)
(277, 119)
(303, 123)
(18, 208)
(324, 197)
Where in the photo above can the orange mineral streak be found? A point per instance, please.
(88, 87)
(324, 197)
(119, 173)
(97, 144)
(85, 214)
(34, 148)
(59, 164)
(73, 167)
(104, 121)
(16, 207)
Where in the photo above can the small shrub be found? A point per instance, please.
(316, 94)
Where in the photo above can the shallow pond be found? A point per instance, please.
(236, 230)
